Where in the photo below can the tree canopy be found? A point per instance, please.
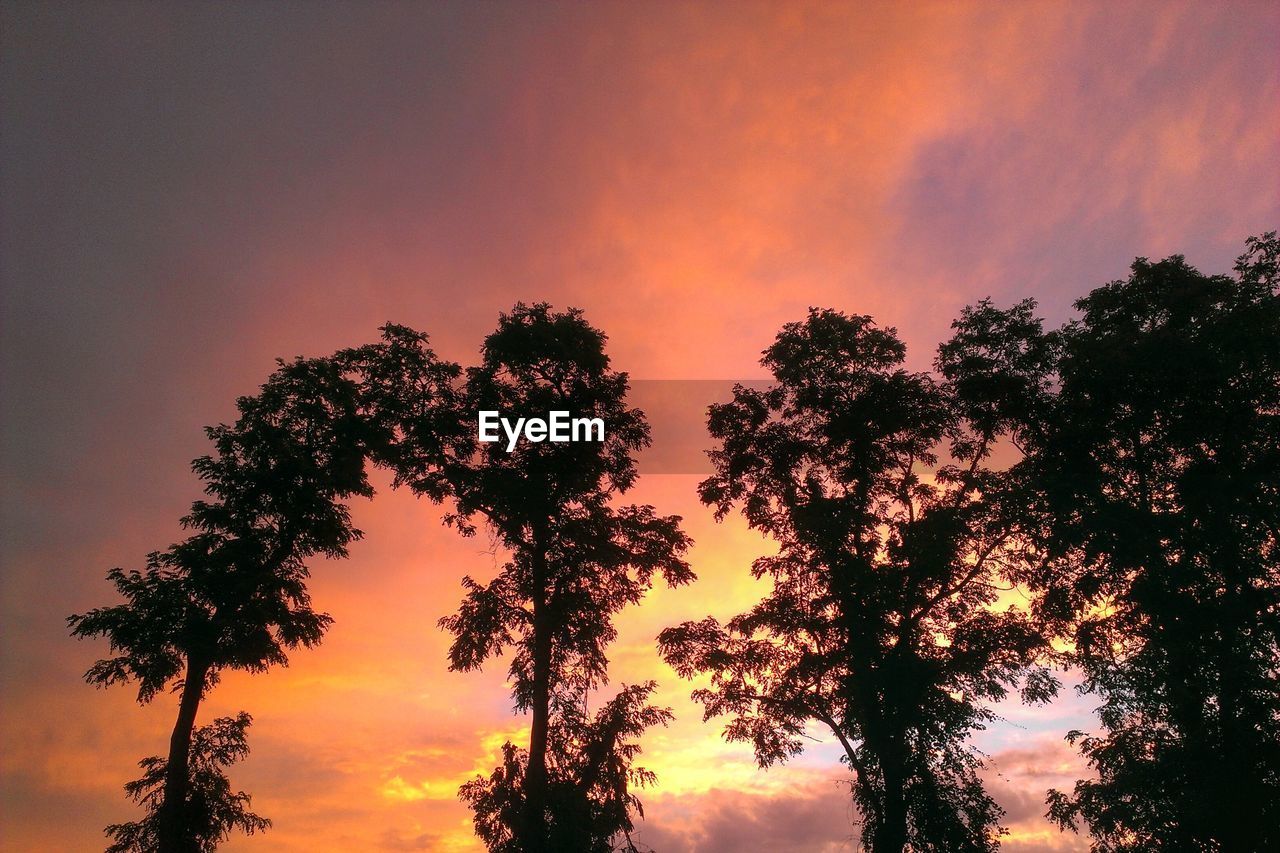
(574, 558)
(233, 594)
(1123, 470)
(1159, 470)
(879, 624)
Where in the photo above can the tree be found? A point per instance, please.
(233, 594)
(574, 559)
(590, 779)
(1155, 464)
(213, 811)
(880, 624)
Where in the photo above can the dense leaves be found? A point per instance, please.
(879, 624)
(233, 594)
(591, 804)
(573, 557)
(1153, 458)
(212, 811)
(1160, 470)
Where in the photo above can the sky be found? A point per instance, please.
(189, 191)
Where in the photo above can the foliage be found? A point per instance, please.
(573, 557)
(590, 779)
(1158, 466)
(879, 624)
(212, 811)
(233, 594)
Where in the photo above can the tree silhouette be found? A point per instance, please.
(590, 779)
(879, 624)
(1155, 463)
(233, 594)
(213, 811)
(573, 559)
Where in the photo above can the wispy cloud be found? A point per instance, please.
(189, 192)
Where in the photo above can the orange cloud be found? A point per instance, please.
(190, 193)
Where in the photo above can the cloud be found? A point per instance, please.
(394, 840)
(814, 815)
(189, 192)
(1019, 778)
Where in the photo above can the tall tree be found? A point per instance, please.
(573, 557)
(880, 622)
(233, 594)
(1156, 465)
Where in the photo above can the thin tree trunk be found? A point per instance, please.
(172, 830)
(535, 781)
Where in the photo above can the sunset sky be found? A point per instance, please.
(189, 191)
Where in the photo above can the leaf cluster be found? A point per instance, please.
(592, 777)
(880, 622)
(1158, 479)
(278, 483)
(576, 558)
(212, 811)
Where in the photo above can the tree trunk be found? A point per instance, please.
(876, 711)
(535, 780)
(891, 834)
(1239, 785)
(174, 835)
(888, 711)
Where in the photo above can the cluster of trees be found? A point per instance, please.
(1140, 514)
(1121, 472)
